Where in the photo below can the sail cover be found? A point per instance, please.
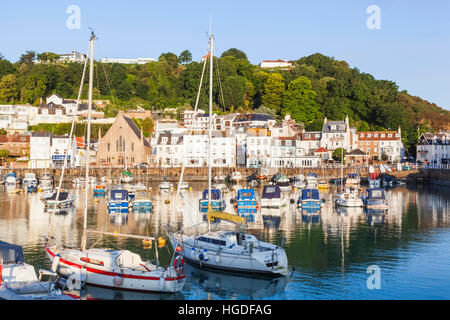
(270, 192)
(310, 194)
(10, 253)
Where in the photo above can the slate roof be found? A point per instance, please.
(327, 127)
(135, 129)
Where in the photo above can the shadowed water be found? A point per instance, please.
(328, 257)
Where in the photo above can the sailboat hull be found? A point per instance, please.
(152, 281)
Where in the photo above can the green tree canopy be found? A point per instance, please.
(28, 57)
(273, 91)
(9, 90)
(185, 57)
(339, 154)
(238, 54)
(299, 101)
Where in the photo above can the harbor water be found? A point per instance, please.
(330, 257)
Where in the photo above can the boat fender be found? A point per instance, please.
(205, 256)
(74, 281)
(55, 263)
(118, 280)
(218, 258)
(201, 256)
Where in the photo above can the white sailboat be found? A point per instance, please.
(228, 250)
(117, 269)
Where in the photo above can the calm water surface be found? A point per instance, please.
(328, 258)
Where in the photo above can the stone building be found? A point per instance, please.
(124, 143)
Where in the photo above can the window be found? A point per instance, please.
(132, 146)
(109, 147)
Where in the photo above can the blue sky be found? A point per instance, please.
(412, 47)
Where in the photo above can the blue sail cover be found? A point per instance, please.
(10, 253)
(215, 194)
(312, 174)
(119, 195)
(11, 174)
(271, 192)
(246, 194)
(310, 194)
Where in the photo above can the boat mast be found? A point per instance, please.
(88, 139)
(211, 42)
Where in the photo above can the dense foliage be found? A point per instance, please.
(316, 86)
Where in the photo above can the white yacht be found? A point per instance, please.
(348, 198)
(231, 250)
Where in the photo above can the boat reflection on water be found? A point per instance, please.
(99, 293)
(225, 284)
(271, 217)
(310, 217)
(118, 218)
(375, 216)
(349, 211)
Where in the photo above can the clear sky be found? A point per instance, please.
(412, 47)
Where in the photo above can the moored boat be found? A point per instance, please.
(271, 197)
(375, 198)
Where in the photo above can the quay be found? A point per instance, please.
(425, 175)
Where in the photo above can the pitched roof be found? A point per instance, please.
(356, 152)
(321, 150)
(135, 129)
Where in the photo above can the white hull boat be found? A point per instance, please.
(115, 269)
(232, 251)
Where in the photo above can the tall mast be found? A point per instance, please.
(88, 142)
(211, 43)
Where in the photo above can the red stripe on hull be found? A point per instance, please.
(112, 274)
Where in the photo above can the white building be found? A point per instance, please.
(73, 57)
(283, 152)
(259, 143)
(40, 150)
(269, 64)
(15, 118)
(434, 148)
(128, 61)
(169, 150)
(58, 151)
(338, 134)
(254, 120)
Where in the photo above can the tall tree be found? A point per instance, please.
(9, 91)
(299, 101)
(273, 91)
(28, 57)
(171, 59)
(185, 57)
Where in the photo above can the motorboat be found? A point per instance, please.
(245, 203)
(30, 180)
(348, 198)
(281, 181)
(311, 180)
(253, 180)
(271, 197)
(184, 185)
(387, 180)
(133, 188)
(352, 179)
(64, 200)
(309, 201)
(323, 185)
(298, 181)
(117, 200)
(231, 250)
(165, 185)
(11, 179)
(219, 178)
(236, 176)
(142, 202)
(374, 180)
(18, 280)
(375, 198)
(126, 177)
(100, 189)
(217, 201)
(46, 194)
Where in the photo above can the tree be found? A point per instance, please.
(238, 54)
(185, 57)
(27, 58)
(299, 101)
(234, 89)
(48, 57)
(273, 91)
(4, 155)
(9, 91)
(124, 91)
(171, 59)
(6, 67)
(265, 110)
(338, 153)
(33, 89)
